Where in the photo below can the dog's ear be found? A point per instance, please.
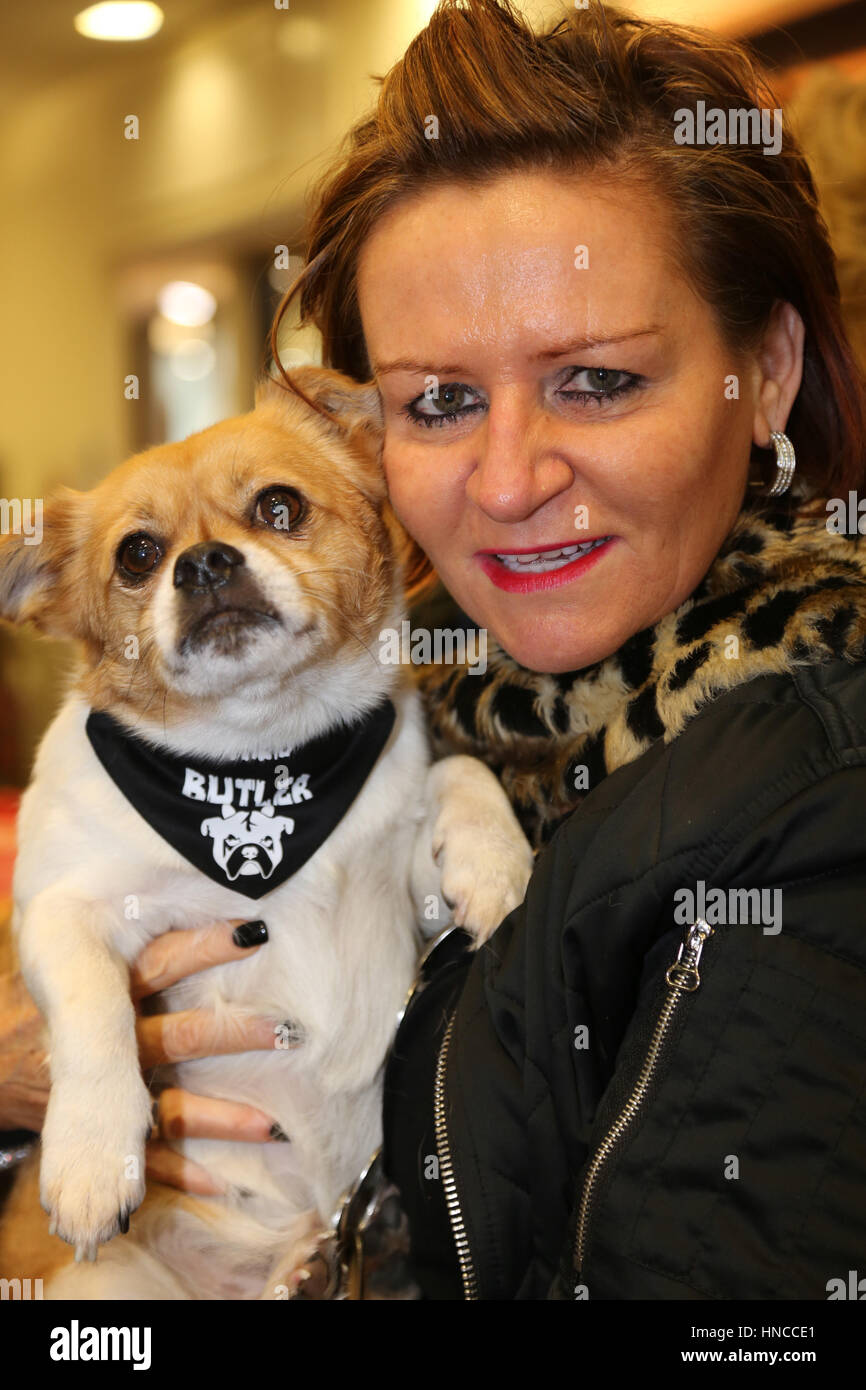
(350, 409)
(351, 405)
(39, 555)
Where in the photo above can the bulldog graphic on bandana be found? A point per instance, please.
(248, 843)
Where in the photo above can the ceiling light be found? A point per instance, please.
(181, 301)
(119, 19)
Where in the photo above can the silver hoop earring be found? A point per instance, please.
(786, 462)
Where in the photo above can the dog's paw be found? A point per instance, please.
(483, 879)
(484, 857)
(92, 1168)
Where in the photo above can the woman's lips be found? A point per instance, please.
(524, 575)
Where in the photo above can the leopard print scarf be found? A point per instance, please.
(785, 590)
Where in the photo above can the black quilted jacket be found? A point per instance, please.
(567, 1117)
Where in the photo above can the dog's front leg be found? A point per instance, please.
(92, 1173)
(470, 849)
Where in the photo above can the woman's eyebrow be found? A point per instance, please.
(583, 344)
(409, 364)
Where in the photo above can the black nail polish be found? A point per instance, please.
(279, 1134)
(250, 934)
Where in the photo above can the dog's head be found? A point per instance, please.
(253, 551)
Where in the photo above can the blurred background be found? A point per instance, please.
(161, 258)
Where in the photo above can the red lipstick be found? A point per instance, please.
(517, 582)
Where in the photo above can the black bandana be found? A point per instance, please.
(248, 823)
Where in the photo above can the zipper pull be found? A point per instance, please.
(684, 974)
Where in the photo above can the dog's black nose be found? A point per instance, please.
(206, 565)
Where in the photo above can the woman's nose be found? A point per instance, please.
(519, 464)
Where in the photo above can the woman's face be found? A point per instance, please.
(543, 401)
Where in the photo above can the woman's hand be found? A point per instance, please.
(170, 1037)
(177, 1037)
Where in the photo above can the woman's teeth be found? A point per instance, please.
(543, 560)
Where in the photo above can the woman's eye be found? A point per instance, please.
(138, 555)
(280, 507)
(449, 402)
(600, 383)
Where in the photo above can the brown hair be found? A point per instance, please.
(599, 91)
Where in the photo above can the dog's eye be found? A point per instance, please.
(280, 507)
(138, 555)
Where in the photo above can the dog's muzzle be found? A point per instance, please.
(220, 601)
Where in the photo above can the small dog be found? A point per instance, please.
(231, 746)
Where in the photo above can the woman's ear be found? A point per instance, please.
(780, 363)
(38, 563)
(349, 404)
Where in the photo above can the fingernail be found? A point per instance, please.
(279, 1134)
(287, 1035)
(250, 934)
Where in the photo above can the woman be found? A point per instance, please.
(598, 349)
(587, 333)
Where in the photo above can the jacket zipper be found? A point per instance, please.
(683, 977)
(446, 1173)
